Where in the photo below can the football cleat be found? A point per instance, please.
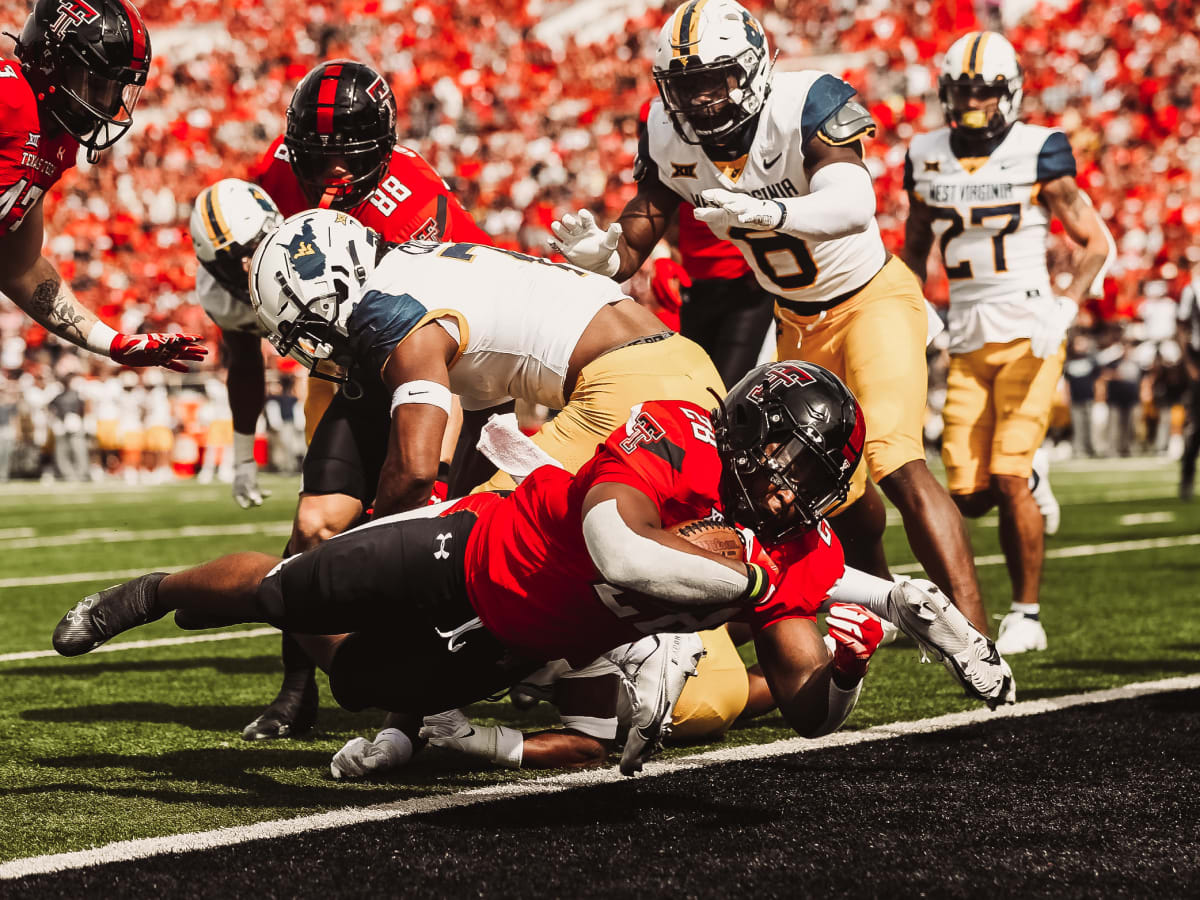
(98, 617)
(1020, 633)
(926, 615)
(653, 673)
(292, 713)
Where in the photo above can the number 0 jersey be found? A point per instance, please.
(517, 318)
(31, 162)
(534, 585)
(792, 269)
(992, 229)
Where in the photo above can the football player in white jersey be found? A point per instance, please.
(774, 164)
(987, 186)
(228, 221)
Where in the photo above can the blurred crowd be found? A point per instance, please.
(528, 114)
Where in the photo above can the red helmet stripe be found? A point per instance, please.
(855, 444)
(326, 97)
(137, 30)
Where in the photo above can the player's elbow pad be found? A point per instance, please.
(626, 559)
(841, 202)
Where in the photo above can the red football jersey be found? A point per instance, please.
(410, 203)
(803, 572)
(30, 162)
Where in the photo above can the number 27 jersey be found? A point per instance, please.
(991, 228)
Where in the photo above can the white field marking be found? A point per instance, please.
(1162, 543)
(1067, 498)
(9, 533)
(113, 536)
(143, 645)
(342, 818)
(113, 576)
(1151, 518)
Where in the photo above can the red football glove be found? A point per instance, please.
(166, 350)
(668, 277)
(857, 633)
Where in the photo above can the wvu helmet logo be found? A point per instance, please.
(683, 170)
(72, 14)
(754, 32)
(306, 256)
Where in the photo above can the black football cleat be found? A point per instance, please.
(98, 617)
(292, 713)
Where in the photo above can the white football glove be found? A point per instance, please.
(361, 758)
(246, 491)
(1051, 328)
(730, 210)
(582, 242)
(454, 731)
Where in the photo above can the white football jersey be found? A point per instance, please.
(991, 228)
(517, 318)
(229, 313)
(792, 269)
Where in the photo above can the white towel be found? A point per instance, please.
(502, 442)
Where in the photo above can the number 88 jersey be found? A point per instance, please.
(411, 202)
(991, 228)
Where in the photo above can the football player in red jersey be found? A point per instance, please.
(338, 151)
(82, 65)
(444, 605)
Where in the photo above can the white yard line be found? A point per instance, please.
(342, 818)
(116, 536)
(143, 645)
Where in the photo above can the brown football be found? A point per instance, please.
(713, 536)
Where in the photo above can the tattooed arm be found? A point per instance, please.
(31, 281)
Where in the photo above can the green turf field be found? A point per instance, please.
(144, 742)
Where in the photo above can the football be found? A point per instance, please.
(712, 535)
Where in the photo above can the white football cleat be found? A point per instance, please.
(926, 615)
(1039, 484)
(1020, 634)
(653, 673)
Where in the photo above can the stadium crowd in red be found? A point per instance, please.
(526, 125)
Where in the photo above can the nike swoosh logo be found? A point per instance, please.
(767, 163)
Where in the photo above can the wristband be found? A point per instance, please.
(100, 339)
(397, 745)
(758, 583)
(782, 214)
(243, 447)
(427, 392)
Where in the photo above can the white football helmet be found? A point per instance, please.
(305, 280)
(228, 222)
(982, 64)
(712, 68)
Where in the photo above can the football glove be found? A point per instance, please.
(727, 209)
(1051, 329)
(856, 633)
(166, 350)
(582, 242)
(361, 758)
(666, 279)
(246, 491)
(454, 731)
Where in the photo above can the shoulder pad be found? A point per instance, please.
(850, 123)
(1055, 158)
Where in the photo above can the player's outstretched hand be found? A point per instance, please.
(361, 758)
(454, 731)
(856, 633)
(246, 491)
(166, 350)
(581, 241)
(726, 209)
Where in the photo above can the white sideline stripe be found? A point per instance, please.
(143, 645)
(1162, 543)
(112, 536)
(113, 576)
(1150, 518)
(224, 837)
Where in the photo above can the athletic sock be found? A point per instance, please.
(297, 667)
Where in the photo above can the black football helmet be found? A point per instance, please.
(87, 60)
(793, 425)
(341, 128)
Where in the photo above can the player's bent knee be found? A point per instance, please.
(975, 504)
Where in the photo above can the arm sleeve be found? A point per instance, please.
(841, 202)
